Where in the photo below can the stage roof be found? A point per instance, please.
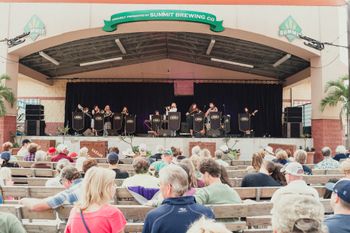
(153, 46)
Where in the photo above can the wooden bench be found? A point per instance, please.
(32, 172)
(237, 217)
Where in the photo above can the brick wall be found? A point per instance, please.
(7, 126)
(326, 132)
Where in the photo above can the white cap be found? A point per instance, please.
(269, 150)
(293, 168)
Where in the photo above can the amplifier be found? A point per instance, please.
(292, 129)
(34, 127)
(293, 114)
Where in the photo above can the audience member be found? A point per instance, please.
(296, 185)
(177, 212)
(40, 160)
(55, 182)
(79, 163)
(9, 223)
(70, 179)
(113, 149)
(298, 214)
(51, 151)
(204, 225)
(218, 158)
(340, 203)
(141, 177)
(345, 168)
(257, 160)
(205, 154)
(32, 148)
(262, 178)
(62, 154)
(158, 155)
(196, 150)
(215, 191)
(300, 157)
(6, 160)
(7, 146)
(167, 158)
(277, 175)
(73, 155)
(340, 153)
(328, 162)
(187, 165)
(23, 151)
(83, 152)
(6, 177)
(224, 176)
(268, 153)
(87, 164)
(281, 157)
(93, 213)
(113, 160)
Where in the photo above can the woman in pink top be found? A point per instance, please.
(93, 213)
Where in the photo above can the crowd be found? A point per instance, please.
(180, 187)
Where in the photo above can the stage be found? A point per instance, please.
(247, 145)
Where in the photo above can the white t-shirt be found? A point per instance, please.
(295, 187)
(143, 180)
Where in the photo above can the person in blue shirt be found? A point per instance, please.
(340, 202)
(340, 153)
(177, 212)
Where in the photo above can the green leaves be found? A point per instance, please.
(337, 91)
(6, 94)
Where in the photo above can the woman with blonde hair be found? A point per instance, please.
(305, 215)
(93, 212)
(345, 168)
(257, 160)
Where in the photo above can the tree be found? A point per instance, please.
(5, 94)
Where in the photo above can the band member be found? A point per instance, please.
(171, 108)
(108, 116)
(212, 108)
(125, 111)
(95, 110)
(189, 116)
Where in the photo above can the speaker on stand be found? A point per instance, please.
(34, 124)
(293, 126)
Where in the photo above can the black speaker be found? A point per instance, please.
(184, 128)
(35, 117)
(34, 112)
(34, 127)
(292, 129)
(293, 114)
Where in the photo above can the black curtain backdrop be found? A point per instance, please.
(143, 98)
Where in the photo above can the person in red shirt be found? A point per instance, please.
(62, 154)
(93, 212)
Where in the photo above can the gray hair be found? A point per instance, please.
(40, 156)
(340, 149)
(326, 151)
(62, 163)
(83, 152)
(300, 156)
(176, 177)
(196, 150)
(219, 154)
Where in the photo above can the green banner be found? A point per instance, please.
(163, 15)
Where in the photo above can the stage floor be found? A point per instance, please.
(247, 145)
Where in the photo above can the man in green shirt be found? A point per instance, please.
(215, 191)
(10, 224)
(167, 158)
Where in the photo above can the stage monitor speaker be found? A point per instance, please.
(78, 121)
(198, 122)
(184, 128)
(99, 121)
(156, 121)
(243, 122)
(117, 121)
(292, 129)
(34, 128)
(227, 124)
(215, 120)
(130, 124)
(174, 121)
(165, 133)
(293, 114)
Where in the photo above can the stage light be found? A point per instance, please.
(232, 63)
(282, 60)
(50, 59)
(101, 61)
(210, 46)
(120, 45)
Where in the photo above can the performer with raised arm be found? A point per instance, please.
(212, 108)
(108, 116)
(171, 108)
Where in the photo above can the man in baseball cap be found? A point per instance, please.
(340, 202)
(294, 173)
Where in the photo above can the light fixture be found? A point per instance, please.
(120, 45)
(50, 59)
(210, 46)
(101, 61)
(282, 60)
(232, 63)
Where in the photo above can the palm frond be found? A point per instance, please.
(337, 91)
